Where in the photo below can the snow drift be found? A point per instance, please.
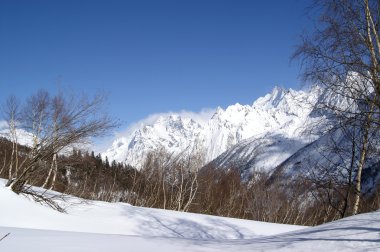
(99, 226)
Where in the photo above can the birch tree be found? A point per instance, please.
(57, 124)
(343, 54)
(12, 116)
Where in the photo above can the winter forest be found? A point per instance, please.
(294, 159)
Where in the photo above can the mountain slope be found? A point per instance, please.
(259, 153)
(309, 144)
(330, 156)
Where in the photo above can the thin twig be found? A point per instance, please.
(4, 236)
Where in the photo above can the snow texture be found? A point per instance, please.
(99, 226)
(124, 219)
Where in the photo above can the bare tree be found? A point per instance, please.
(12, 116)
(58, 108)
(343, 54)
(35, 114)
(58, 124)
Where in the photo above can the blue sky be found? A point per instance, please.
(151, 56)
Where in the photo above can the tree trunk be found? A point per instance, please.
(363, 154)
(49, 174)
(55, 171)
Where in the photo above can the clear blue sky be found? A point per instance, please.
(151, 56)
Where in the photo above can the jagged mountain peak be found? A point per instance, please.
(279, 112)
(270, 100)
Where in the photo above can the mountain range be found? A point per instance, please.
(249, 137)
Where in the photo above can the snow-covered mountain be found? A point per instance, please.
(307, 142)
(278, 116)
(173, 134)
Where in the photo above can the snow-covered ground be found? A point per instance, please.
(99, 226)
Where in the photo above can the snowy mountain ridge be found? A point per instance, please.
(280, 113)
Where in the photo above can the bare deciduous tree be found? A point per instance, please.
(57, 124)
(343, 54)
(12, 116)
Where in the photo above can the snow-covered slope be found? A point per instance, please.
(281, 113)
(331, 156)
(99, 226)
(101, 223)
(285, 115)
(259, 153)
(124, 219)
